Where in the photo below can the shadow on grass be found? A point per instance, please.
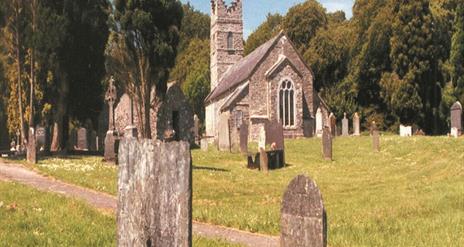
(204, 168)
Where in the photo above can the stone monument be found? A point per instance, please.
(111, 135)
(405, 131)
(456, 119)
(319, 123)
(356, 125)
(345, 126)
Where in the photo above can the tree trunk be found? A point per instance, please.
(31, 147)
(60, 128)
(18, 57)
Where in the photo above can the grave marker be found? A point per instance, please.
(82, 141)
(405, 131)
(303, 219)
(110, 138)
(356, 125)
(456, 119)
(319, 123)
(244, 138)
(333, 125)
(345, 126)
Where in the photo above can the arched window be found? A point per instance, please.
(287, 103)
(230, 41)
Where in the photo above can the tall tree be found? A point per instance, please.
(268, 29)
(457, 54)
(143, 49)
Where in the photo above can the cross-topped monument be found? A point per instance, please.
(110, 98)
(110, 139)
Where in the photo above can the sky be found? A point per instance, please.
(255, 11)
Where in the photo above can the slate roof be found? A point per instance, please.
(239, 91)
(242, 70)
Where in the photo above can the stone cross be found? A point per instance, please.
(303, 219)
(327, 143)
(375, 137)
(345, 126)
(456, 119)
(110, 98)
(356, 125)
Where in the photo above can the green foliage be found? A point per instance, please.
(457, 54)
(195, 25)
(268, 29)
(303, 21)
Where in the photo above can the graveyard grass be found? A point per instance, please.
(32, 218)
(411, 193)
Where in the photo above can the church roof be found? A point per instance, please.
(242, 70)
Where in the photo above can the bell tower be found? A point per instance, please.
(226, 50)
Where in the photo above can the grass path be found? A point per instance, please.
(409, 194)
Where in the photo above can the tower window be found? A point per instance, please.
(287, 103)
(230, 41)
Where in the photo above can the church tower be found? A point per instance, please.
(226, 49)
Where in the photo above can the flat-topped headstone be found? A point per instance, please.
(456, 118)
(244, 138)
(82, 139)
(356, 125)
(275, 135)
(319, 123)
(303, 219)
(405, 131)
(333, 124)
(327, 144)
(345, 126)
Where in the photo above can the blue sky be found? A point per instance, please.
(255, 11)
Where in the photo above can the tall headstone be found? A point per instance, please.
(275, 135)
(327, 144)
(319, 123)
(110, 138)
(155, 194)
(196, 129)
(303, 219)
(456, 119)
(345, 126)
(375, 137)
(333, 124)
(82, 139)
(224, 133)
(31, 146)
(244, 138)
(356, 125)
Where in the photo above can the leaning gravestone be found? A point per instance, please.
(356, 125)
(82, 141)
(327, 144)
(155, 194)
(345, 126)
(303, 220)
(456, 119)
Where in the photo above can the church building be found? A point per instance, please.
(273, 83)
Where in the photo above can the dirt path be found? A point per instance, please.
(102, 201)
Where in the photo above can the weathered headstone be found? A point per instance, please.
(110, 138)
(224, 133)
(356, 125)
(333, 124)
(275, 135)
(303, 219)
(327, 144)
(31, 147)
(319, 123)
(155, 194)
(375, 137)
(405, 131)
(456, 119)
(262, 139)
(82, 139)
(244, 138)
(196, 129)
(345, 126)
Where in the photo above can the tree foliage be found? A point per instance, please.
(268, 29)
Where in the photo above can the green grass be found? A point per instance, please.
(32, 218)
(409, 194)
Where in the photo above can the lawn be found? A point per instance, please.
(409, 194)
(32, 218)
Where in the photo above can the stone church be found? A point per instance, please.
(273, 83)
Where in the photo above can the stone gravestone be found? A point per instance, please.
(110, 138)
(82, 139)
(275, 135)
(41, 138)
(456, 119)
(155, 194)
(327, 144)
(303, 219)
(319, 123)
(375, 137)
(333, 124)
(345, 126)
(244, 138)
(356, 125)
(196, 129)
(224, 133)
(405, 131)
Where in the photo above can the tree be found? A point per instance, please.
(303, 21)
(195, 25)
(268, 29)
(457, 54)
(142, 49)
